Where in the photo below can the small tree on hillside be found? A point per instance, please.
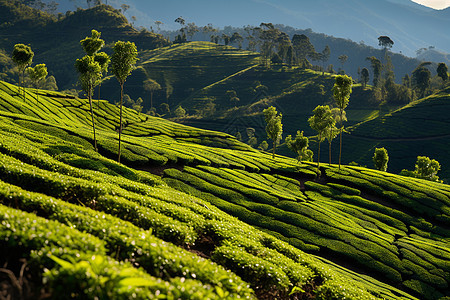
(376, 68)
(380, 159)
(442, 71)
(263, 146)
(274, 128)
(421, 77)
(151, 86)
(37, 73)
(299, 146)
(365, 77)
(320, 121)
(123, 63)
(343, 58)
(385, 42)
(22, 56)
(342, 90)
(425, 168)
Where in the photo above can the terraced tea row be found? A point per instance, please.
(343, 221)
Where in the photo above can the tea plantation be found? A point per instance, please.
(196, 214)
(420, 128)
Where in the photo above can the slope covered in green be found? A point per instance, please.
(420, 128)
(188, 229)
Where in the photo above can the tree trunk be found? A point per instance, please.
(329, 152)
(273, 151)
(92, 116)
(23, 84)
(120, 122)
(340, 140)
(151, 100)
(318, 155)
(98, 101)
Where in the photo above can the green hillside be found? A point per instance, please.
(420, 128)
(202, 215)
(55, 41)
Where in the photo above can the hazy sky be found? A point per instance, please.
(437, 4)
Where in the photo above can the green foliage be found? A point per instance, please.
(263, 146)
(380, 159)
(90, 73)
(91, 45)
(321, 121)
(299, 146)
(442, 71)
(37, 73)
(425, 168)
(123, 63)
(365, 76)
(179, 112)
(342, 90)
(376, 68)
(421, 78)
(22, 56)
(274, 128)
(123, 60)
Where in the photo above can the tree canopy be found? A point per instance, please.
(123, 62)
(299, 145)
(380, 159)
(442, 71)
(274, 127)
(342, 90)
(37, 73)
(320, 121)
(385, 42)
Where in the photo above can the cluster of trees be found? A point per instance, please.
(22, 56)
(94, 65)
(274, 45)
(323, 120)
(425, 168)
(384, 87)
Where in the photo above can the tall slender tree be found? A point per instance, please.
(376, 68)
(342, 90)
(365, 77)
(320, 121)
(442, 71)
(151, 86)
(123, 62)
(37, 73)
(89, 75)
(90, 69)
(22, 56)
(103, 60)
(274, 127)
(343, 59)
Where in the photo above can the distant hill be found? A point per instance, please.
(434, 56)
(56, 42)
(410, 25)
